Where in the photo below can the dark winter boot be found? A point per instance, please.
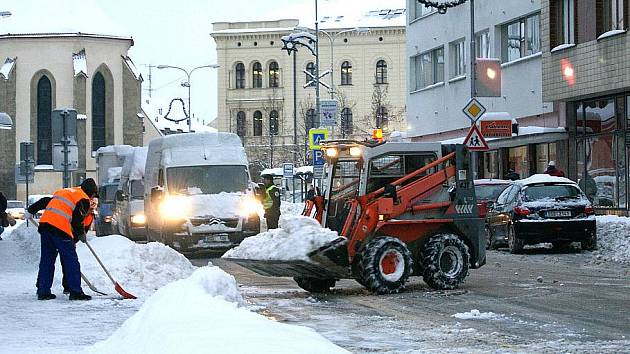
(66, 291)
(46, 296)
(79, 296)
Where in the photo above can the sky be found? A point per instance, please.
(177, 33)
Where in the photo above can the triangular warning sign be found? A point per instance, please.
(475, 141)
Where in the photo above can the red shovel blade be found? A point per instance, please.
(122, 292)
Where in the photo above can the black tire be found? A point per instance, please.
(515, 244)
(315, 285)
(590, 244)
(385, 265)
(355, 269)
(490, 242)
(446, 260)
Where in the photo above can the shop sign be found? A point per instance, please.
(496, 128)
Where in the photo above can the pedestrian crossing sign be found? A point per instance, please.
(475, 141)
(315, 138)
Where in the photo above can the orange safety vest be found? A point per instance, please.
(59, 210)
(87, 221)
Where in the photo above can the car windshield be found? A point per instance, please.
(190, 180)
(551, 191)
(15, 204)
(108, 193)
(137, 189)
(489, 191)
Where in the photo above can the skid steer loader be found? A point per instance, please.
(401, 209)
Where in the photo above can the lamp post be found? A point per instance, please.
(187, 84)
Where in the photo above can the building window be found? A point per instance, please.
(310, 68)
(565, 22)
(241, 127)
(258, 123)
(458, 60)
(428, 68)
(257, 75)
(419, 10)
(613, 15)
(346, 73)
(381, 117)
(274, 74)
(273, 122)
(240, 76)
(346, 122)
(521, 38)
(98, 112)
(381, 72)
(482, 44)
(312, 121)
(44, 124)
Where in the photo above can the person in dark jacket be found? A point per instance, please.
(271, 202)
(552, 170)
(61, 224)
(512, 175)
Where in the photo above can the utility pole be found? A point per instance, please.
(295, 146)
(473, 89)
(317, 113)
(64, 141)
(150, 89)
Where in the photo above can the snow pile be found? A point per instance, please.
(613, 238)
(288, 208)
(223, 205)
(201, 314)
(27, 239)
(296, 237)
(477, 315)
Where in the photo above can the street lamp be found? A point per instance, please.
(187, 84)
(6, 123)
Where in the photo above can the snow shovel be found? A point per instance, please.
(85, 279)
(117, 286)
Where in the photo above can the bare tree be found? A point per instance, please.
(272, 105)
(345, 130)
(382, 114)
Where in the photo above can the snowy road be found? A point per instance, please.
(537, 302)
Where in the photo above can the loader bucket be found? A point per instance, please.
(328, 262)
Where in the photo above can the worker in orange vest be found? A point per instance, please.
(62, 223)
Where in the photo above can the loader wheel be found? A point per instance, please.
(385, 265)
(446, 261)
(315, 285)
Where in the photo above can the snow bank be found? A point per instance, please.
(477, 315)
(27, 239)
(296, 237)
(201, 314)
(613, 239)
(288, 208)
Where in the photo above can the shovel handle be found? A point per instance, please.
(100, 263)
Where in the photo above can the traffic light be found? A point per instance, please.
(488, 77)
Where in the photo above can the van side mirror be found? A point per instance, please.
(156, 194)
(120, 196)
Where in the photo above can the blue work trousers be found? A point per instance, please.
(64, 246)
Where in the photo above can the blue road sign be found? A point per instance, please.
(318, 158)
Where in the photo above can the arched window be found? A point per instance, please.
(273, 122)
(98, 111)
(312, 121)
(241, 128)
(44, 126)
(274, 74)
(240, 76)
(258, 123)
(381, 117)
(346, 73)
(346, 122)
(257, 75)
(310, 68)
(381, 72)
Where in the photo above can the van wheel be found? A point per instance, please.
(385, 265)
(445, 259)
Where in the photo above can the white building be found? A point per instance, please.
(438, 51)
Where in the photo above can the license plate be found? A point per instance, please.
(216, 238)
(558, 213)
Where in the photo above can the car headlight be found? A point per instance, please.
(174, 208)
(139, 219)
(250, 206)
(16, 214)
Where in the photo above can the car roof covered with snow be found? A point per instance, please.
(544, 179)
(491, 181)
(194, 149)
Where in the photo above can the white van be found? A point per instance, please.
(129, 219)
(198, 192)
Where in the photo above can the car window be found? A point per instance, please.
(551, 191)
(489, 191)
(511, 197)
(503, 196)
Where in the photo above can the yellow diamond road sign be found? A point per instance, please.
(474, 110)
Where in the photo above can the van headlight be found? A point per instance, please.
(174, 208)
(250, 206)
(139, 219)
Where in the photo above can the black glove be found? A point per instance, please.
(82, 238)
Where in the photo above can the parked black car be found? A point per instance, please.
(540, 209)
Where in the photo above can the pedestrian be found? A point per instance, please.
(60, 225)
(552, 170)
(271, 202)
(512, 175)
(589, 187)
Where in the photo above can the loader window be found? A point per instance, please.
(345, 186)
(388, 168)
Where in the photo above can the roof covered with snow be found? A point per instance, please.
(132, 67)
(521, 132)
(44, 18)
(7, 67)
(155, 113)
(79, 63)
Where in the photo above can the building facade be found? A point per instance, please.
(438, 52)
(40, 72)
(256, 97)
(586, 69)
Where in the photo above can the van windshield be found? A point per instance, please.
(192, 180)
(137, 189)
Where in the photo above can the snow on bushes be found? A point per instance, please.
(202, 314)
(296, 237)
(613, 238)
